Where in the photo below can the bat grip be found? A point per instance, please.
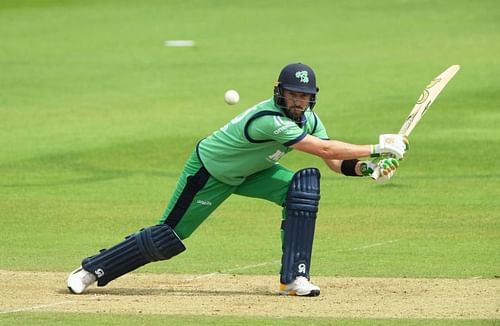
(376, 174)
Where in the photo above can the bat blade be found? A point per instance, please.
(426, 98)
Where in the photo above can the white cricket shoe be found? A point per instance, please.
(79, 280)
(301, 286)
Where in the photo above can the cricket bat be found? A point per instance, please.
(427, 97)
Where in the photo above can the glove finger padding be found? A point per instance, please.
(384, 170)
(383, 178)
(388, 165)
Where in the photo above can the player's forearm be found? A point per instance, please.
(334, 165)
(338, 150)
(332, 149)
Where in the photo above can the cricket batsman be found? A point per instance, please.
(242, 158)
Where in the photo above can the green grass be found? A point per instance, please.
(97, 117)
(119, 320)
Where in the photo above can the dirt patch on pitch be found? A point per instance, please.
(245, 295)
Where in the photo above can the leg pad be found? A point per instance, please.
(154, 243)
(301, 207)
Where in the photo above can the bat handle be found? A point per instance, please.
(376, 174)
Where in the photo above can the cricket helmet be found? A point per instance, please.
(295, 77)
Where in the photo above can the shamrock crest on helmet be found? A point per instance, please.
(295, 77)
(302, 75)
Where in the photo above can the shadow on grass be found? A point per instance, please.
(172, 292)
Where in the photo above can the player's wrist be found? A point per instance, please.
(348, 168)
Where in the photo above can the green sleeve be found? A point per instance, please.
(318, 128)
(275, 128)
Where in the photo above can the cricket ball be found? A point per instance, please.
(231, 97)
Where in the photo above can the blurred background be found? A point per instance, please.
(97, 116)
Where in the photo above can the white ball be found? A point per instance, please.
(231, 97)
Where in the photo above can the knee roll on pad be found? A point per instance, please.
(154, 243)
(301, 207)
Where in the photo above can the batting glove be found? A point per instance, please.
(390, 145)
(379, 169)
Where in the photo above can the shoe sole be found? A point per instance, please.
(71, 290)
(313, 293)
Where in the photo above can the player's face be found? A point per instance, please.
(296, 102)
